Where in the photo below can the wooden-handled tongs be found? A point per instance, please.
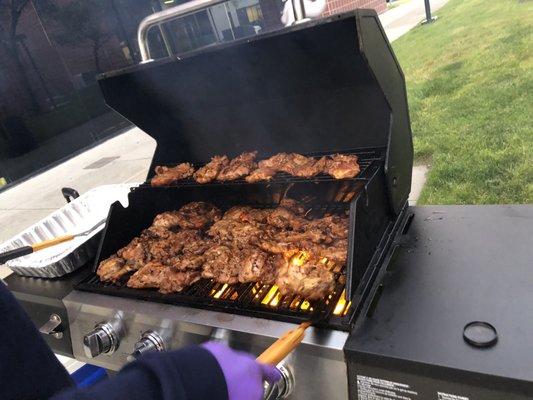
(284, 345)
(25, 250)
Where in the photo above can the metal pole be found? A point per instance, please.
(429, 18)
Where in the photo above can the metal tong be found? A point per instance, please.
(25, 250)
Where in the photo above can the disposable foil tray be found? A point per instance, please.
(79, 215)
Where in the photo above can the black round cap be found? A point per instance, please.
(480, 334)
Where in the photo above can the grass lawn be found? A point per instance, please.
(470, 86)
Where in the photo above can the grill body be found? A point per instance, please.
(321, 87)
(181, 326)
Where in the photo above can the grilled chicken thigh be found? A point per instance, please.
(169, 175)
(239, 167)
(210, 171)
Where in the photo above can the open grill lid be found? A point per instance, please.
(327, 85)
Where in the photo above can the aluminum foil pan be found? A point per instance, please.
(79, 215)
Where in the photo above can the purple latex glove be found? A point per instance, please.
(244, 376)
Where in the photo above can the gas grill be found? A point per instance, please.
(317, 88)
(428, 307)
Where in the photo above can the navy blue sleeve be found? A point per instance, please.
(28, 368)
(191, 373)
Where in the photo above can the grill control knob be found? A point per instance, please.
(103, 339)
(150, 341)
(283, 388)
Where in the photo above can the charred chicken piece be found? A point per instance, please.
(222, 263)
(156, 232)
(327, 230)
(175, 281)
(134, 252)
(198, 215)
(163, 249)
(306, 167)
(333, 226)
(261, 174)
(149, 276)
(283, 218)
(166, 220)
(341, 166)
(247, 214)
(240, 233)
(169, 175)
(109, 268)
(310, 278)
(239, 167)
(210, 171)
(337, 253)
(294, 164)
(187, 262)
(195, 215)
(259, 266)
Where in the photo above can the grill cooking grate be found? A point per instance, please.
(243, 298)
(248, 298)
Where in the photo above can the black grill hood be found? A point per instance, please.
(326, 85)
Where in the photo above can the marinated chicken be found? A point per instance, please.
(309, 278)
(240, 233)
(169, 175)
(222, 263)
(261, 174)
(175, 281)
(221, 168)
(196, 215)
(239, 167)
(210, 171)
(281, 245)
(341, 166)
(109, 269)
(259, 266)
(294, 164)
(148, 277)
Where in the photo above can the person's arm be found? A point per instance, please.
(28, 368)
(191, 373)
(211, 371)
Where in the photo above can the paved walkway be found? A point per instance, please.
(399, 20)
(131, 152)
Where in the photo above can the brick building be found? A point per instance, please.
(338, 6)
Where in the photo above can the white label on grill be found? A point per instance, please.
(380, 389)
(448, 396)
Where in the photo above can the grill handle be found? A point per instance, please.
(165, 16)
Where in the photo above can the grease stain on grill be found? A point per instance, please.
(225, 317)
(101, 162)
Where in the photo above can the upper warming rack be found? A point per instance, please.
(366, 158)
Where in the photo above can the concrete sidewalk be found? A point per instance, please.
(126, 158)
(400, 20)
